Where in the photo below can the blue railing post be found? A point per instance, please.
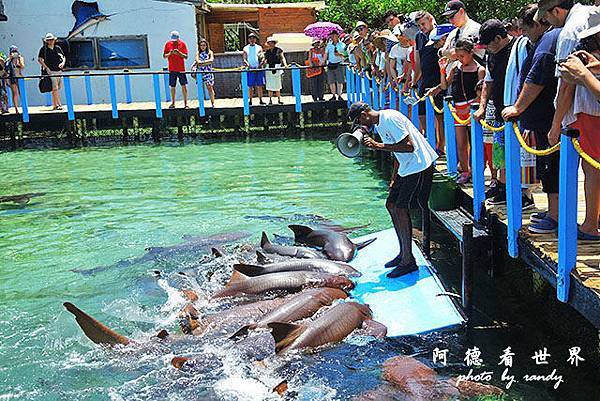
(24, 101)
(245, 93)
(414, 116)
(157, 99)
(88, 88)
(450, 134)
(297, 88)
(166, 82)
(393, 99)
(48, 98)
(357, 86)
(10, 98)
(430, 119)
(201, 99)
(567, 213)
(403, 105)
(127, 79)
(367, 90)
(69, 97)
(375, 91)
(113, 96)
(348, 86)
(514, 207)
(387, 97)
(477, 165)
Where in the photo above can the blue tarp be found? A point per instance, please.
(85, 12)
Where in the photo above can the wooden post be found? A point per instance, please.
(477, 166)
(567, 213)
(430, 126)
(156, 130)
(496, 265)
(467, 269)
(426, 226)
(24, 101)
(125, 129)
(450, 134)
(514, 205)
(157, 99)
(69, 97)
(245, 93)
(113, 96)
(127, 79)
(200, 84)
(88, 88)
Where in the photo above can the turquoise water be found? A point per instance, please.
(106, 205)
(87, 241)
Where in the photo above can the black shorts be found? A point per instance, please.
(437, 99)
(547, 167)
(412, 191)
(173, 76)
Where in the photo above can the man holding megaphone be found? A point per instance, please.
(411, 178)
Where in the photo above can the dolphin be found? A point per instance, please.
(240, 284)
(299, 306)
(337, 246)
(285, 250)
(313, 265)
(331, 327)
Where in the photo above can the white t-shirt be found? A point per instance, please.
(577, 21)
(393, 127)
(253, 53)
(470, 30)
(400, 54)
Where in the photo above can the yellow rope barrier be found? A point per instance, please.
(485, 125)
(439, 111)
(456, 117)
(593, 162)
(419, 99)
(529, 149)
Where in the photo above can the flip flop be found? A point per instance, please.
(587, 237)
(403, 270)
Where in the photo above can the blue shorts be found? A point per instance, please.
(173, 76)
(256, 78)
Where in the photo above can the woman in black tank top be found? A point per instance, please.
(462, 76)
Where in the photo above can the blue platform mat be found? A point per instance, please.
(406, 305)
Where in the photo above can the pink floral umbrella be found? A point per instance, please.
(322, 29)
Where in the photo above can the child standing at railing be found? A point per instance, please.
(462, 79)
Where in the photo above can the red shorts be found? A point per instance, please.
(463, 112)
(589, 134)
(488, 151)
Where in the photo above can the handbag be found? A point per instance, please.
(45, 84)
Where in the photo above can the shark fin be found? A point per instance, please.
(248, 270)
(284, 334)
(93, 329)
(236, 277)
(361, 245)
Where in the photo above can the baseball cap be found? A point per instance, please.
(174, 35)
(543, 6)
(355, 109)
(452, 8)
(594, 26)
(252, 35)
(490, 29)
(439, 32)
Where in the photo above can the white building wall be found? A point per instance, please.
(30, 20)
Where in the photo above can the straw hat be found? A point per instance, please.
(49, 36)
(272, 39)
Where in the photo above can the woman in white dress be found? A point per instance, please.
(274, 59)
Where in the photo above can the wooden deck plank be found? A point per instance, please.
(587, 268)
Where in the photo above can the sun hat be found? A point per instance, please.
(174, 35)
(452, 8)
(489, 30)
(594, 26)
(359, 24)
(252, 35)
(543, 7)
(315, 40)
(439, 32)
(49, 36)
(272, 39)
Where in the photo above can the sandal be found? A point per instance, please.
(582, 236)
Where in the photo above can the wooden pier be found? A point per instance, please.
(540, 251)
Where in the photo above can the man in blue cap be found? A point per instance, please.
(411, 178)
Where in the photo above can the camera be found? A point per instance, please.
(589, 44)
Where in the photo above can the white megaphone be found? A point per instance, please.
(350, 145)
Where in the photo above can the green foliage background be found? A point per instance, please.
(347, 12)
